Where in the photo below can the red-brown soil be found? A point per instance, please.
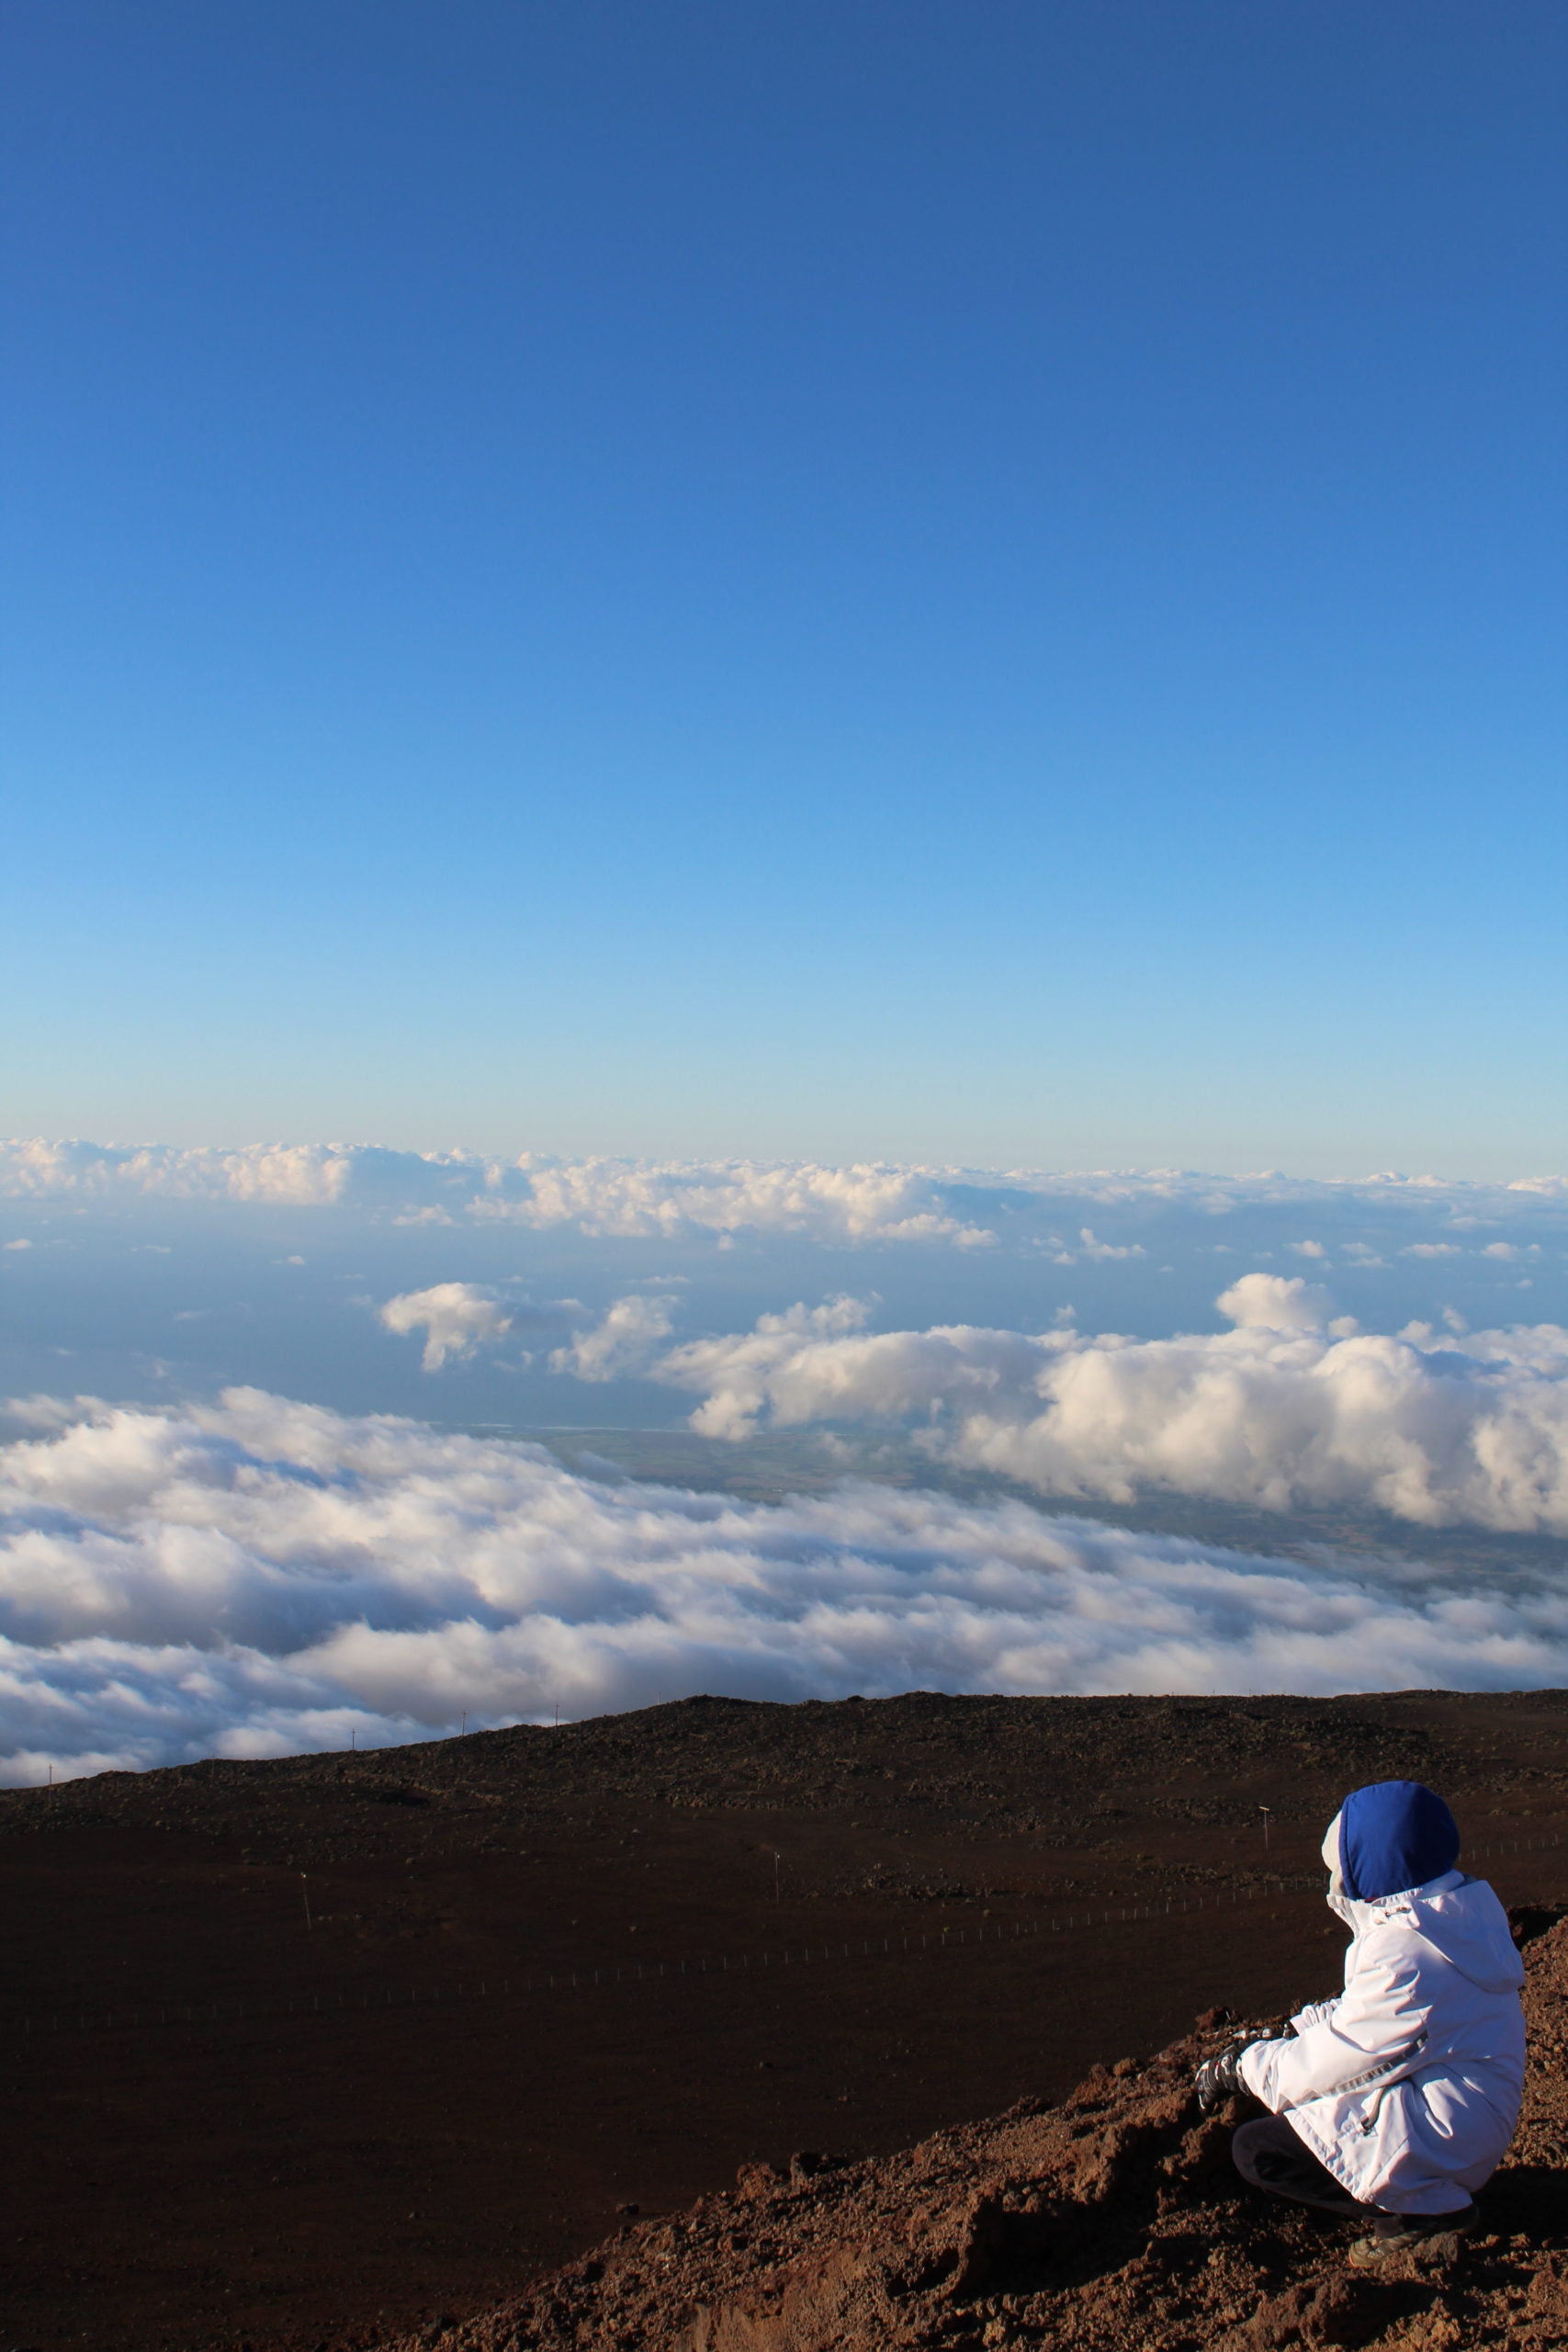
(1113, 2221)
(347, 2149)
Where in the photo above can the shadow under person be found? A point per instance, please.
(1396, 2100)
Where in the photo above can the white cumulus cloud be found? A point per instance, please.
(627, 1342)
(261, 1576)
(1292, 1406)
(456, 1318)
(634, 1199)
(1093, 1248)
(624, 1198)
(846, 1206)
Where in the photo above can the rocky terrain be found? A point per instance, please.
(1112, 2222)
(1042, 1767)
(333, 2050)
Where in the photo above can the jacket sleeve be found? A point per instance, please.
(1379, 2018)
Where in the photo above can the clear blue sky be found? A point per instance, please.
(982, 582)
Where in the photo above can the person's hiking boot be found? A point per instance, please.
(1394, 2234)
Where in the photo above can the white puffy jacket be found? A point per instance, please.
(1407, 2087)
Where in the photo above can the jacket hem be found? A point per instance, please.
(1328, 2155)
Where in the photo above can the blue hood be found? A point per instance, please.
(1393, 1836)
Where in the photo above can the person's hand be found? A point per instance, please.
(1218, 2079)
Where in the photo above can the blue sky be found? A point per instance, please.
(981, 583)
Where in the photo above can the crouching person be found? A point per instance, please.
(1394, 2102)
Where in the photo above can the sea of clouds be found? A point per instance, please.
(628, 1199)
(958, 1208)
(291, 1524)
(255, 1576)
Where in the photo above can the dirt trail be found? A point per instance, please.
(1113, 2221)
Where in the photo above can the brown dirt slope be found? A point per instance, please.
(1110, 2221)
(1035, 1766)
(232, 2123)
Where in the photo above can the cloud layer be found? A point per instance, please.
(1292, 1406)
(626, 1199)
(955, 1208)
(262, 1576)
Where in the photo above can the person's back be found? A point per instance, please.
(1403, 2093)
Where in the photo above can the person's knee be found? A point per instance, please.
(1249, 2147)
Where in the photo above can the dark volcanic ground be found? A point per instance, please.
(362, 2140)
(1113, 2221)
